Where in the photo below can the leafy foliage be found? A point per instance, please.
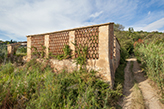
(148, 49)
(151, 55)
(36, 86)
(38, 54)
(118, 27)
(82, 52)
(22, 49)
(3, 52)
(66, 55)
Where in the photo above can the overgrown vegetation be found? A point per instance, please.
(3, 52)
(21, 51)
(66, 53)
(151, 56)
(38, 54)
(138, 100)
(81, 52)
(119, 81)
(128, 38)
(17, 57)
(148, 47)
(35, 85)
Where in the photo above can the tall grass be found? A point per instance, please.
(35, 85)
(21, 51)
(3, 52)
(152, 58)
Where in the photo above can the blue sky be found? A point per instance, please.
(19, 18)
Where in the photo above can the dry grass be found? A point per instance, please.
(137, 98)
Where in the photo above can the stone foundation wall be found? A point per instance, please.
(98, 38)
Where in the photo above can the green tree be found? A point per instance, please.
(118, 27)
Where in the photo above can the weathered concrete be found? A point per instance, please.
(28, 48)
(10, 50)
(71, 41)
(46, 42)
(103, 61)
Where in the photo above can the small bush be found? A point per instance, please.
(124, 55)
(3, 52)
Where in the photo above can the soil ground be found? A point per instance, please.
(145, 97)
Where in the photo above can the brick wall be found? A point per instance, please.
(57, 42)
(88, 37)
(37, 42)
(103, 48)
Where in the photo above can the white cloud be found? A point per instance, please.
(96, 14)
(155, 26)
(20, 18)
(40, 16)
(151, 22)
(149, 12)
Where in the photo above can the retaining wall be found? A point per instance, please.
(103, 48)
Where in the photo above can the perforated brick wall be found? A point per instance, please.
(37, 42)
(57, 42)
(88, 37)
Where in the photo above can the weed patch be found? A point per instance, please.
(32, 86)
(152, 60)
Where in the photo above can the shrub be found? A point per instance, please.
(3, 52)
(36, 86)
(152, 59)
(123, 55)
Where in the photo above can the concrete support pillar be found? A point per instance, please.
(103, 61)
(10, 50)
(46, 44)
(72, 40)
(28, 48)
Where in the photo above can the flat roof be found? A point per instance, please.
(72, 29)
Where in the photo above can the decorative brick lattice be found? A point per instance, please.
(57, 42)
(88, 37)
(37, 42)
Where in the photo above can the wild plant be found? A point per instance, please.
(81, 52)
(3, 52)
(38, 54)
(152, 59)
(33, 87)
(66, 53)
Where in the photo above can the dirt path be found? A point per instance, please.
(128, 84)
(138, 92)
